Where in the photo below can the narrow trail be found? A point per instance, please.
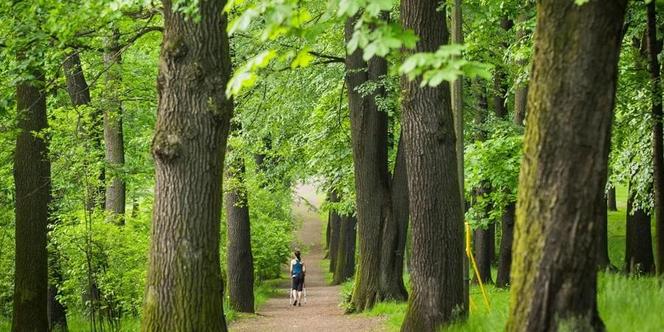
(322, 311)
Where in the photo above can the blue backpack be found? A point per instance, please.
(297, 267)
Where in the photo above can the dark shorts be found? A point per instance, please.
(298, 282)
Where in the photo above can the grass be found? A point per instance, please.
(625, 303)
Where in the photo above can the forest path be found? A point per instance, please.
(322, 311)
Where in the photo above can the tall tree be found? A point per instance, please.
(115, 200)
(603, 259)
(564, 168)
(435, 203)
(457, 109)
(612, 205)
(239, 257)
(32, 178)
(372, 182)
(654, 48)
(505, 253)
(184, 286)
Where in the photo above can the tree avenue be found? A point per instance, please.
(371, 157)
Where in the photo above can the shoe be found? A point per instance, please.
(299, 304)
(295, 303)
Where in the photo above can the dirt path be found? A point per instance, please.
(321, 312)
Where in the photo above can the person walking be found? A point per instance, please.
(297, 271)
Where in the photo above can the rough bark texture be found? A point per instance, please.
(564, 169)
(184, 285)
(113, 136)
(372, 182)
(638, 240)
(505, 255)
(654, 48)
(483, 237)
(603, 261)
(434, 200)
(345, 267)
(238, 254)
(32, 178)
(334, 220)
(612, 205)
(395, 231)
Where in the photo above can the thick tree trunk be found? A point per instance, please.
(395, 230)
(113, 135)
(79, 94)
(345, 267)
(611, 202)
(372, 182)
(334, 223)
(435, 204)
(238, 254)
(184, 285)
(32, 178)
(654, 48)
(603, 260)
(505, 256)
(638, 240)
(564, 169)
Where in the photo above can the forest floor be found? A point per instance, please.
(322, 311)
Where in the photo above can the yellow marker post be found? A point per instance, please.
(469, 253)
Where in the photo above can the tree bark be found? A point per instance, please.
(639, 257)
(239, 257)
(395, 231)
(184, 286)
(603, 260)
(505, 256)
(483, 237)
(32, 178)
(612, 204)
(434, 200)
(372, 183)
(521, 90)
(113, 135)
(345, 267)
(564, 169)
(334, 221)
(654, 48)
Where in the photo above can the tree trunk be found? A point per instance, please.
(345, 267)
(113, 135)
(654, 48)
(457, 110)
(334, 221)
(369, 136)
(564, 169)
(603, 260)
(239, 258)
(505, 258)
(327, 238)
(482, 239)
(521, 90)
(184, 285)
(79, 94)
(638, 240)
(32, 178)
(57, 314)
(434, 200)
(395, 230)
(612, 205)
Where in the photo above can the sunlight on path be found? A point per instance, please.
(322, 312)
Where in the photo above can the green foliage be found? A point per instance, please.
(445, 64)
(493, 164)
